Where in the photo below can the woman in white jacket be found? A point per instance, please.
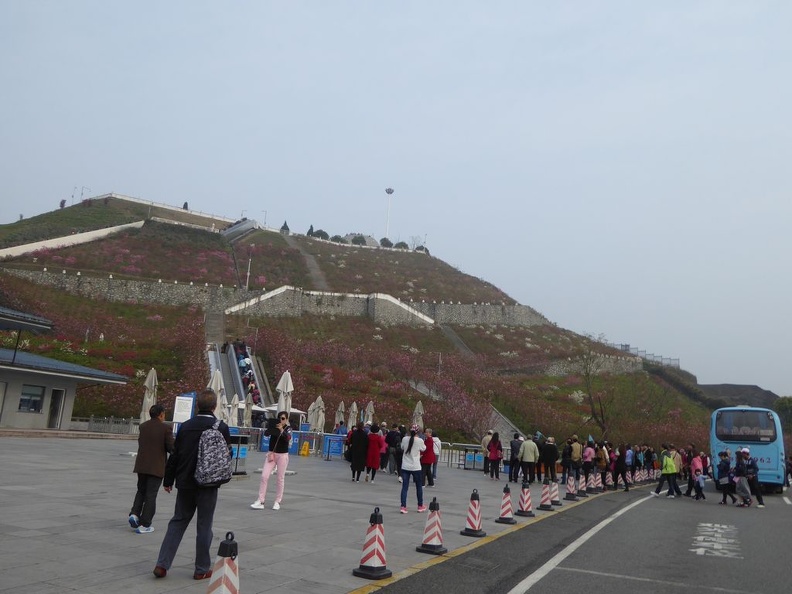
(412, 446)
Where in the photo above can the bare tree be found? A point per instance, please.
(590, 364)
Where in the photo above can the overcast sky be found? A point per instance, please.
(622, 167)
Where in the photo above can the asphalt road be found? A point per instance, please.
(639, 544)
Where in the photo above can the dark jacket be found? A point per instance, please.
(155, 442)
(358, 448)
(549, 453)
(279, 440)
(514, 448)
(180, 468)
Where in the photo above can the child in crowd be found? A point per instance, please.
(698, 485)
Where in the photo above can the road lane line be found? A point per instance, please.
(663, 582)
(787, 501)
(537, 575)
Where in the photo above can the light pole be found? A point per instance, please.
(250, 259)
(265, 218)
(389, 192)
(83, 191)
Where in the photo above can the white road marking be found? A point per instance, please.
(537, 575)
(787, 501)
(664, 582)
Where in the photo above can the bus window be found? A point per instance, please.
(745, 425)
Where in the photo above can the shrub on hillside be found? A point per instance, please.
(402, 246)
(338, 239)
(386, 243)
(358, 240)
(321, 234)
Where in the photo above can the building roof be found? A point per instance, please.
(28, 362)
(11, 319)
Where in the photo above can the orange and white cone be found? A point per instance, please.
(581, 492)
(554, 498)
(225, 571)
(608, 480)
(598, 481)
(525, 508)
(473, 521)
(545, 504)
(506, 511)
(433, 532)
(591, 483)
(372, 561)
(570, 491)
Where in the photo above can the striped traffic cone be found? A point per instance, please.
(545, 505)
(473, 521)
(598, 481)
(608, 480)
(581, 492)
(554, 499)
(372, 561)
(433, 532)
(525, 507)
(506, 511)
(571, 492)
(590, 483)
(630, 478)
(225, 572)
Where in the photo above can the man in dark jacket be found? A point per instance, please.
(514, 460)
(190, 498)
(155, 442)
(549, 457)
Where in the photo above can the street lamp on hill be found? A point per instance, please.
(389, 192)
(250, 259)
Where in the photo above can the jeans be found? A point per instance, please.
(145, 504)
(188, 501)
(418, 479)
(282, 460)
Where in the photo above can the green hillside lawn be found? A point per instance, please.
(89, 216)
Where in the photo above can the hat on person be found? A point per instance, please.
(551, 440)
(521, 438)
(415, 428)
(489, 432)
(574, 438)
(745, 451)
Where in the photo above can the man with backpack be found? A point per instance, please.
(192, 453)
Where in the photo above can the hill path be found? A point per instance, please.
(317, 276)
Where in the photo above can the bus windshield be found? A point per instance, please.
(745, 426)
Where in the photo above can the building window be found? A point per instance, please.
(32, 399)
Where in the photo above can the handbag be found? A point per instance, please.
(271, 454)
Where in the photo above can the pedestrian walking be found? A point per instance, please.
(190, 498)
(412, 446)
(155, 442)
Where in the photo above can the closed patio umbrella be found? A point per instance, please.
(149, 395)
(320, 415)
(339, 416)
(370, 413)
(418, 414)
(353, 413)
(285, 388)
(216, 384)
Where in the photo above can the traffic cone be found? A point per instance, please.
(225, 571)
(581, 492)
(372, 562)
(590, 484)
(433, 532)
(571, 492)
(525, 508)
(506, 511)
(545, 505)
(598, 481)
(608, 480)
(554, 499)
(473, 522)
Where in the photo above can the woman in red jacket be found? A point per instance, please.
(428, 457)
(375, 443)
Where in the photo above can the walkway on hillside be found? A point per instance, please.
(458, 343)
(317, 276)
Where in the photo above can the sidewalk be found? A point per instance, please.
(64, 506)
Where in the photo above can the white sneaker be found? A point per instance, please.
(144, 529)
(372, 481)
(655, 494)
(400, 479)
(257, 505)
(276, 506)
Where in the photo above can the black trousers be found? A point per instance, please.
(145, 504)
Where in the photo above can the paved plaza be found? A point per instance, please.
(64, 506)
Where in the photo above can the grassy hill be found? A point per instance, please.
(340, 359)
